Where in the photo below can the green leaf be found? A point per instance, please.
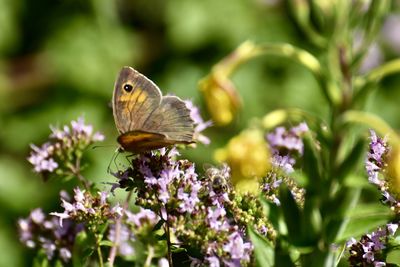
(352, 160)
(272, 211)
(41, 260)
(83, 249)
(263, 249)
(292, 215)
(365, 218)
(393, 257)
(283, 254)
(106, 243)
(312, 221)
(336, 212)
(312, 164)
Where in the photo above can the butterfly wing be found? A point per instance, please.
(172, 119)
(140, 141)
(135, 98)
(144, 118)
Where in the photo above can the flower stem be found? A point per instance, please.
(167, 230)
(150, 256)
(113, 250)
(384, 70)
(76, 170)
(99, 254)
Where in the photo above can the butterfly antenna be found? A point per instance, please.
(101, 146)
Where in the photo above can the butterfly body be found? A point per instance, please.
(145, 119)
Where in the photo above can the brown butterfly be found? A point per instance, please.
(145, 119)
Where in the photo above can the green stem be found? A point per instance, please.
(366, 84)
(301, 11)
(113, 250)
(149, 257)
(99, 253)
(382, 71)
(168, 243)
(76, 170)
(371, 121)
(248, 50)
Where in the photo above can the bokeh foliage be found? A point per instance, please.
(59, 59)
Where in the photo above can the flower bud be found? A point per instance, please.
(219, 92)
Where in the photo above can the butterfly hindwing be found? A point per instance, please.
(171, 118)
(134, 100)
(140, 141)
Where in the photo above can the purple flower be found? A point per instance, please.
(163, 262)
(80, 127)
(212, 261)
(65, 254)
(199, 124)
(283, 162)
(392, 228)
(41, 158)
(63, 142)
(144, 216)
(216, 218)
(390, 32)
(289, 140)
(188, 203)
(351, 242)
(237, 248)
(371, 249)
(39, 231)
(372, 59)
(125, 248)
(88, 208)
(37, 216)
(375, 164)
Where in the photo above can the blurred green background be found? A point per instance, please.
(59, 59)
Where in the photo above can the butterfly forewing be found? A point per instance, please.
(135, 99)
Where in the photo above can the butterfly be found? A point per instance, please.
(146, 119)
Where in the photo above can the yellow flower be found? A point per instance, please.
(248, 156)
(219, 92)
(221, 98)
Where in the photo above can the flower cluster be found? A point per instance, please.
(64, 146)
(204, 213)
(377, 170)
(133, 228)
(94, 211)
(371, 249)
(47, 235)
(285, 145)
